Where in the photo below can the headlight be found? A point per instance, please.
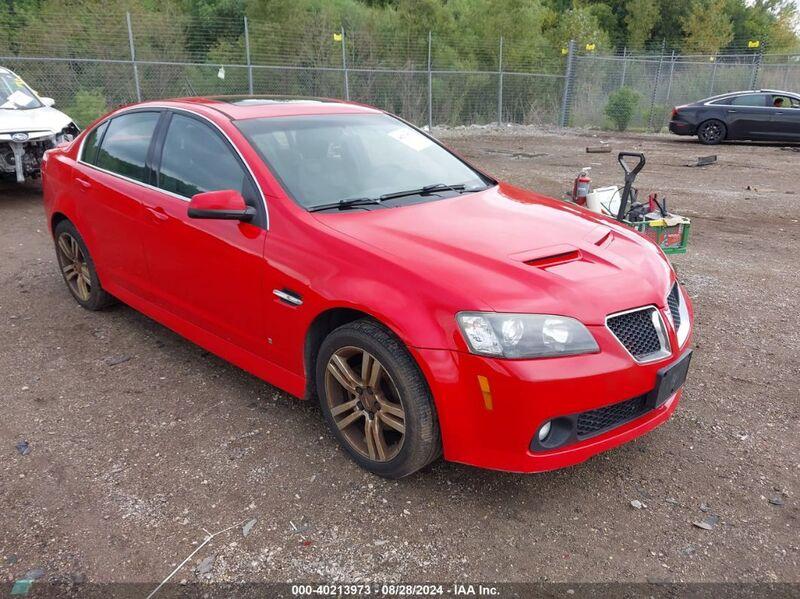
(68, 133)
(524, 335)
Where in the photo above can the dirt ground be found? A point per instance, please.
(139, 440)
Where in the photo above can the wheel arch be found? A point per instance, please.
(57, 218)
(322, 325)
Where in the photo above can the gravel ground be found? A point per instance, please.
(138, 441)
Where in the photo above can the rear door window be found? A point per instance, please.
(126, 144)
(196, 159)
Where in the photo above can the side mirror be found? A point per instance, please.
(227, 204)
(47, 101)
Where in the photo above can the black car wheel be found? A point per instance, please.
(711, 132)
(376, 401)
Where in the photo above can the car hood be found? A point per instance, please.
(35, 120)
(511, 250)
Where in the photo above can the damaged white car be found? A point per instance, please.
(29, 126)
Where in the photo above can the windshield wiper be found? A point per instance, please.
(423, 191)
(346, 204)
(353, 202)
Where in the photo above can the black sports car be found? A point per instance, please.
(764, 115)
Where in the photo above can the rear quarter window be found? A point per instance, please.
(744, 100)
(92, 143)
(750, 100)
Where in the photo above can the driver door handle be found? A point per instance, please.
(83, 183)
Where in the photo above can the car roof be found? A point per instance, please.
(748, 91)
(248, 107)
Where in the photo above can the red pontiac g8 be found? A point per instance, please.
(339, 253)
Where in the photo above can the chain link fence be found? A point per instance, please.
(90, 64)
(656, 83)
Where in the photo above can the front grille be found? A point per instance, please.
(637, 332)
(596, 421)
(674, 302)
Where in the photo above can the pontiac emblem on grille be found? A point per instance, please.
(19, 137)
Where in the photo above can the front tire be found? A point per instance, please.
(77, 268)
(376, 401)
(712, 132)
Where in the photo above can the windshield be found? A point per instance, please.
(14, 94)
(328, 158)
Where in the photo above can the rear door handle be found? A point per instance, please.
(731, 111)
(83, 183)
(158, 212)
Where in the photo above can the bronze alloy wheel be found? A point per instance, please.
(75, 267)
(365, 404)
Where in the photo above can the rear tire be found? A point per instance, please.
(712, 132)
(77, 268)
(376, 401)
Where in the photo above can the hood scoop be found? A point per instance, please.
(550, 256)
(558, 255)
(601, 236)
(570, 262)
(555, 259)
(605, 240)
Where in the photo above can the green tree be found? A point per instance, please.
(609, 15)
(582, 25)
(640, 20)
(708, 27)
(773, 21)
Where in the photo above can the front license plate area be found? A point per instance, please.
(669, 380)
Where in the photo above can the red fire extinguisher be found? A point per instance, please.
(582, 187)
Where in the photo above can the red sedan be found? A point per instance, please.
(339, 253)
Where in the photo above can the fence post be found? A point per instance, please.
(500, 86)
(344, 67)
(756, 67)
(671, 73)
(569, 77)
(247, 52)
(655, 86)
(624, 66)
(430, 86)
(713, 76)
(133, 58)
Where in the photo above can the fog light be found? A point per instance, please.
(544, 431)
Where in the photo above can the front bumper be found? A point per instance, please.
(495, 430)
(24, 158)
(681, 128)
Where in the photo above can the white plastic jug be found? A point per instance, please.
(604, 200)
